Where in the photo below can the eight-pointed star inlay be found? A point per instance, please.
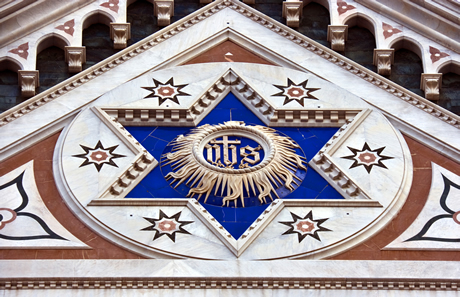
(367, 157)
(305, 226)
(99, 155)
(296, 92)
(165, 91)
(168, 226)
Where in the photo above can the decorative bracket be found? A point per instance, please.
(163, 10)
(28, 80)
(431, 84)
(75, 56)
(337, 35)
(292, 11)
(120, 33)
(383, 59)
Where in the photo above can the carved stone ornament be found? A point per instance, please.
(383, 59)
(28, 80)
(120, 33)
(262, 177)
(431, 84)
(337, 35)
(164, 10)
(75, 56)
(292, 11)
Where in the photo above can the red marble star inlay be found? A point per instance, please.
(112, 5)
(389, 30)
(344, 7)
(68, 27)
(436, 54)
(22, 50)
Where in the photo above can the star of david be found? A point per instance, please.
(184, 180)
(166, 225)
(367, 157)
(305, 226)
(166, 91)
(99, 155)
(296, 92)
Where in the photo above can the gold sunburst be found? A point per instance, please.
(277, 168)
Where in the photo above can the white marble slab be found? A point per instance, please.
(25, 221)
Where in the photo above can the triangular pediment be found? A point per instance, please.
(97, 105)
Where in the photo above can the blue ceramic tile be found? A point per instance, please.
(235, 219)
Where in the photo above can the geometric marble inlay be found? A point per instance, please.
(166, 225)
(166, 91)
(305, 226)
(99, 155)
(367, 157)
(296, 92)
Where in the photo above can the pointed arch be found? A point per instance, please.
(408, 43)
(96, 17)
(8, 63)
(449, 66)
(52, 39)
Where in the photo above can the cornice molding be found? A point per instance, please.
(200, 15)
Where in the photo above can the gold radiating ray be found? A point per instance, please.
(277, 169)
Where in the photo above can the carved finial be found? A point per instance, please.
(28, 80)
(337, 35)
(431, 84)
(120, 33)
(383, 59)
(75, 56)
(292, 11)
(164, 10)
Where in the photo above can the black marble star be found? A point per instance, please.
(166, 91)
(367, 157)
(305, 226)
(296, 92)
(99, 155)
(168, 226)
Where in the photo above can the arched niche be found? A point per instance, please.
(408, 64)
(315, 20)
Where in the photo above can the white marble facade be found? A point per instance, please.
(97, 162)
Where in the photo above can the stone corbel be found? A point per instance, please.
(120, 33)
(292, 11)
(164, 10)
(383, 59)
(75, 57)
(337, 35)
(28, 80)
(431, 84)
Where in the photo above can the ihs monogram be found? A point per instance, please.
(229, 145)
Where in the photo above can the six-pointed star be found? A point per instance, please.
(305, 226)
(167, 226)
(99, 155)
(165, 91)
(367, 157)
(297, 92)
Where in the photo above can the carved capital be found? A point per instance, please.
(120, 33)
(337, 35)
(28, 80)
(75, 56)
(431, 84)
(383, 59)
(292, 11)
(163, 10)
